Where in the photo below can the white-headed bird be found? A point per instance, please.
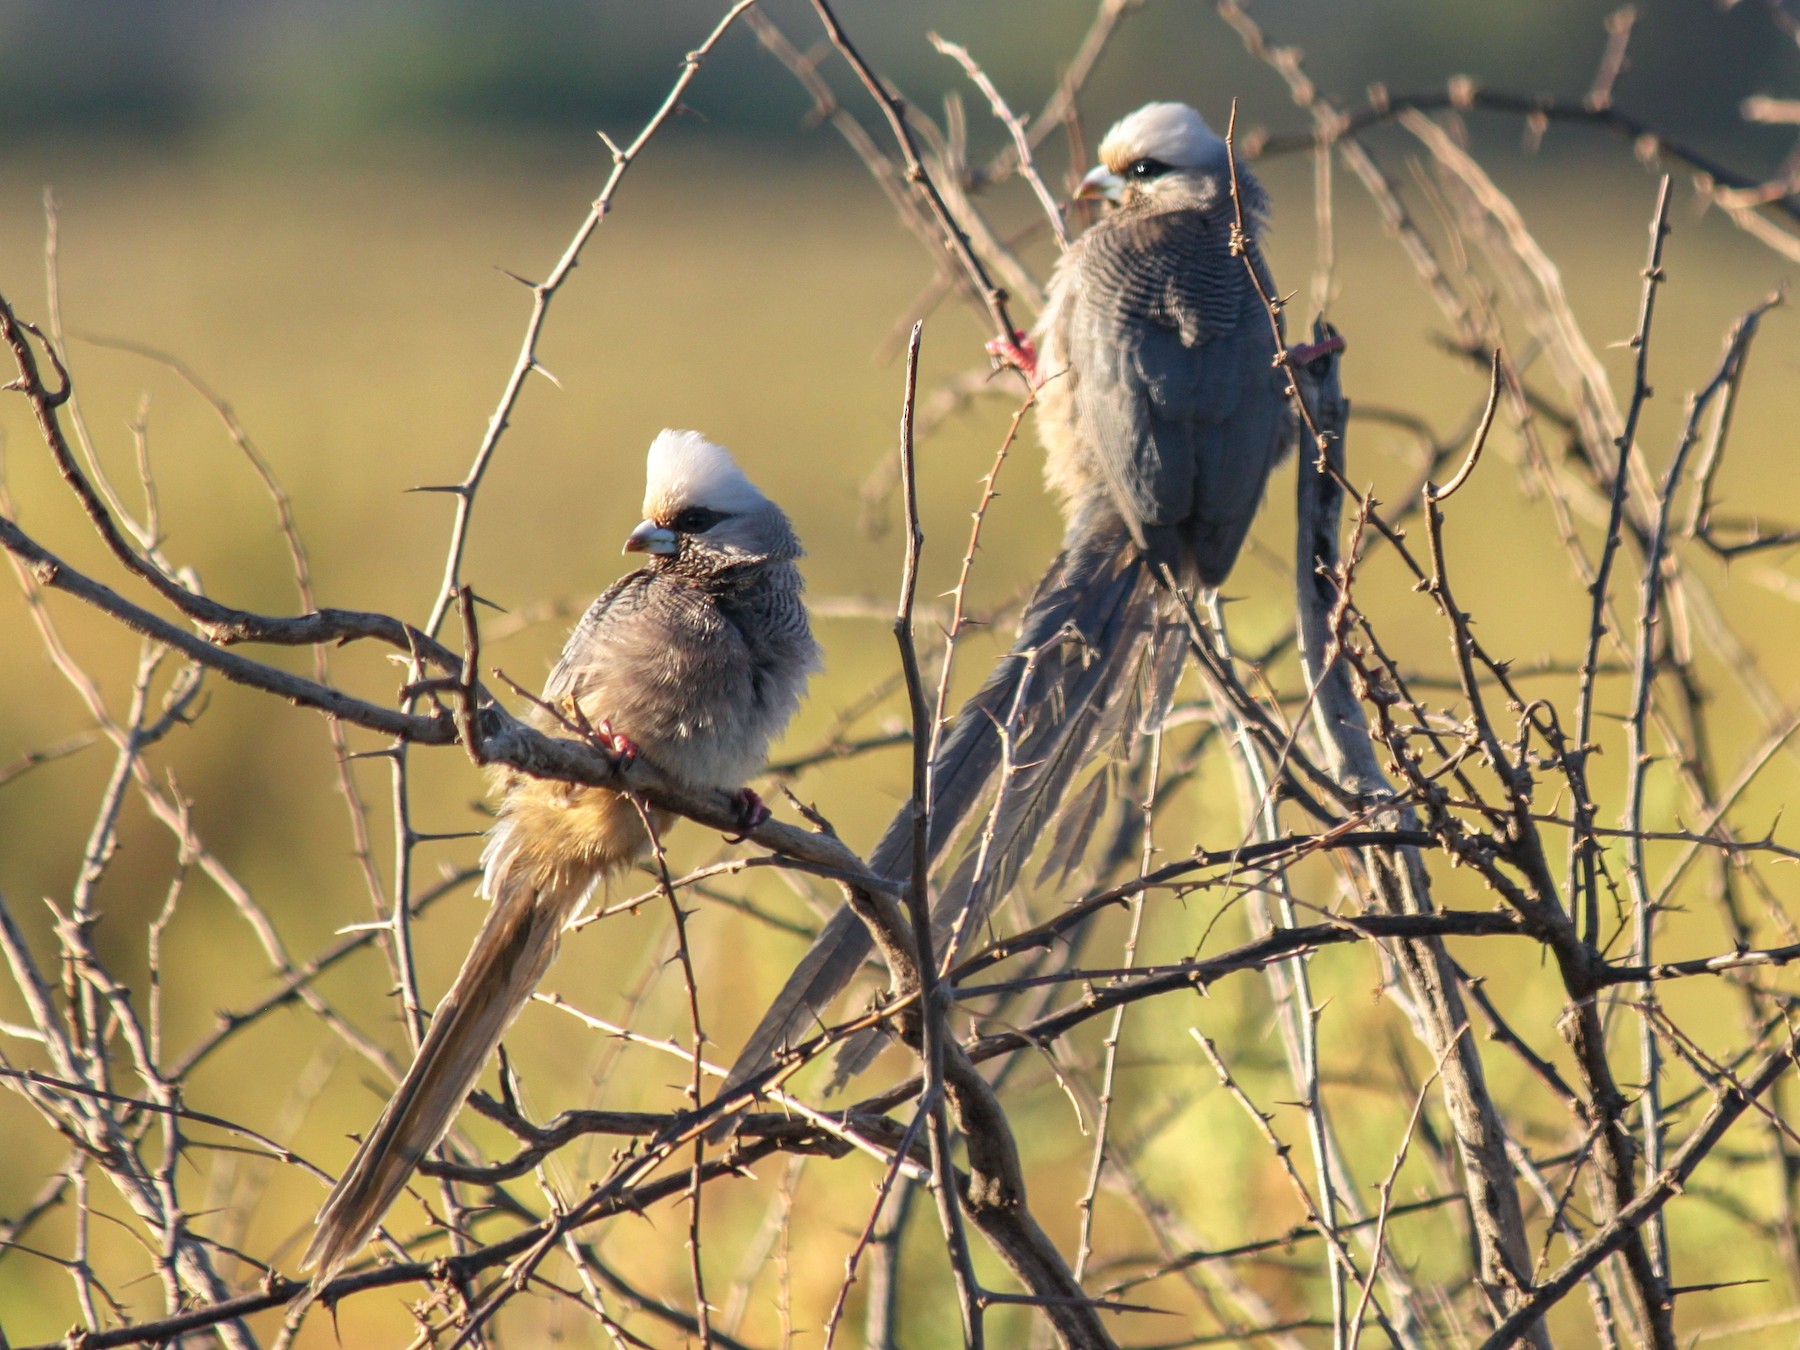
(696, 661)
(1162, 409)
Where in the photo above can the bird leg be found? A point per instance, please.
(621, 746)
(750, 812)
(1020, 353)
(1305, 353)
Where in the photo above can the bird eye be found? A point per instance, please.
(696, 520)
(1144, 170)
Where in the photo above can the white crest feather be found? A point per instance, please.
(685, 469)
(1171, 132)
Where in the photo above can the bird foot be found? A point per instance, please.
(622, 746)
(1305, 353)
(750, 812)
(1020, 354)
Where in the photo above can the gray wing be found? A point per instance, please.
(701, 684)
(659, 660)
(618, 608)
(1176, 393)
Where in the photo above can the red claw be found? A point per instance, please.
(1020, 354)
(750, 813)
(1305, 353)
(618, 743)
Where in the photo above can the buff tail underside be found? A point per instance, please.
(509, 958)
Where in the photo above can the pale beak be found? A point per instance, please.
(1100, 182)
(649, 537)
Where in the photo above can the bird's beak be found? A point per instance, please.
(1100, 182)
(649, 537)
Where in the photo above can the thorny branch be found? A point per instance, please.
(1391, 828)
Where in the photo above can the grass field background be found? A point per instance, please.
(352, 307)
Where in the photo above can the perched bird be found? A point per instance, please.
(697, 661)
(1162, 410)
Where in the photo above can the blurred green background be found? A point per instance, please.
(315, 205)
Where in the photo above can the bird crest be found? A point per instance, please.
(685, 469)
(1171, 133)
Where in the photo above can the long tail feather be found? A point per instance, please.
(1079, 706)
(1071, 686)
(510, 956)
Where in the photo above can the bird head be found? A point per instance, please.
(1162, 155)
(701, 513)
